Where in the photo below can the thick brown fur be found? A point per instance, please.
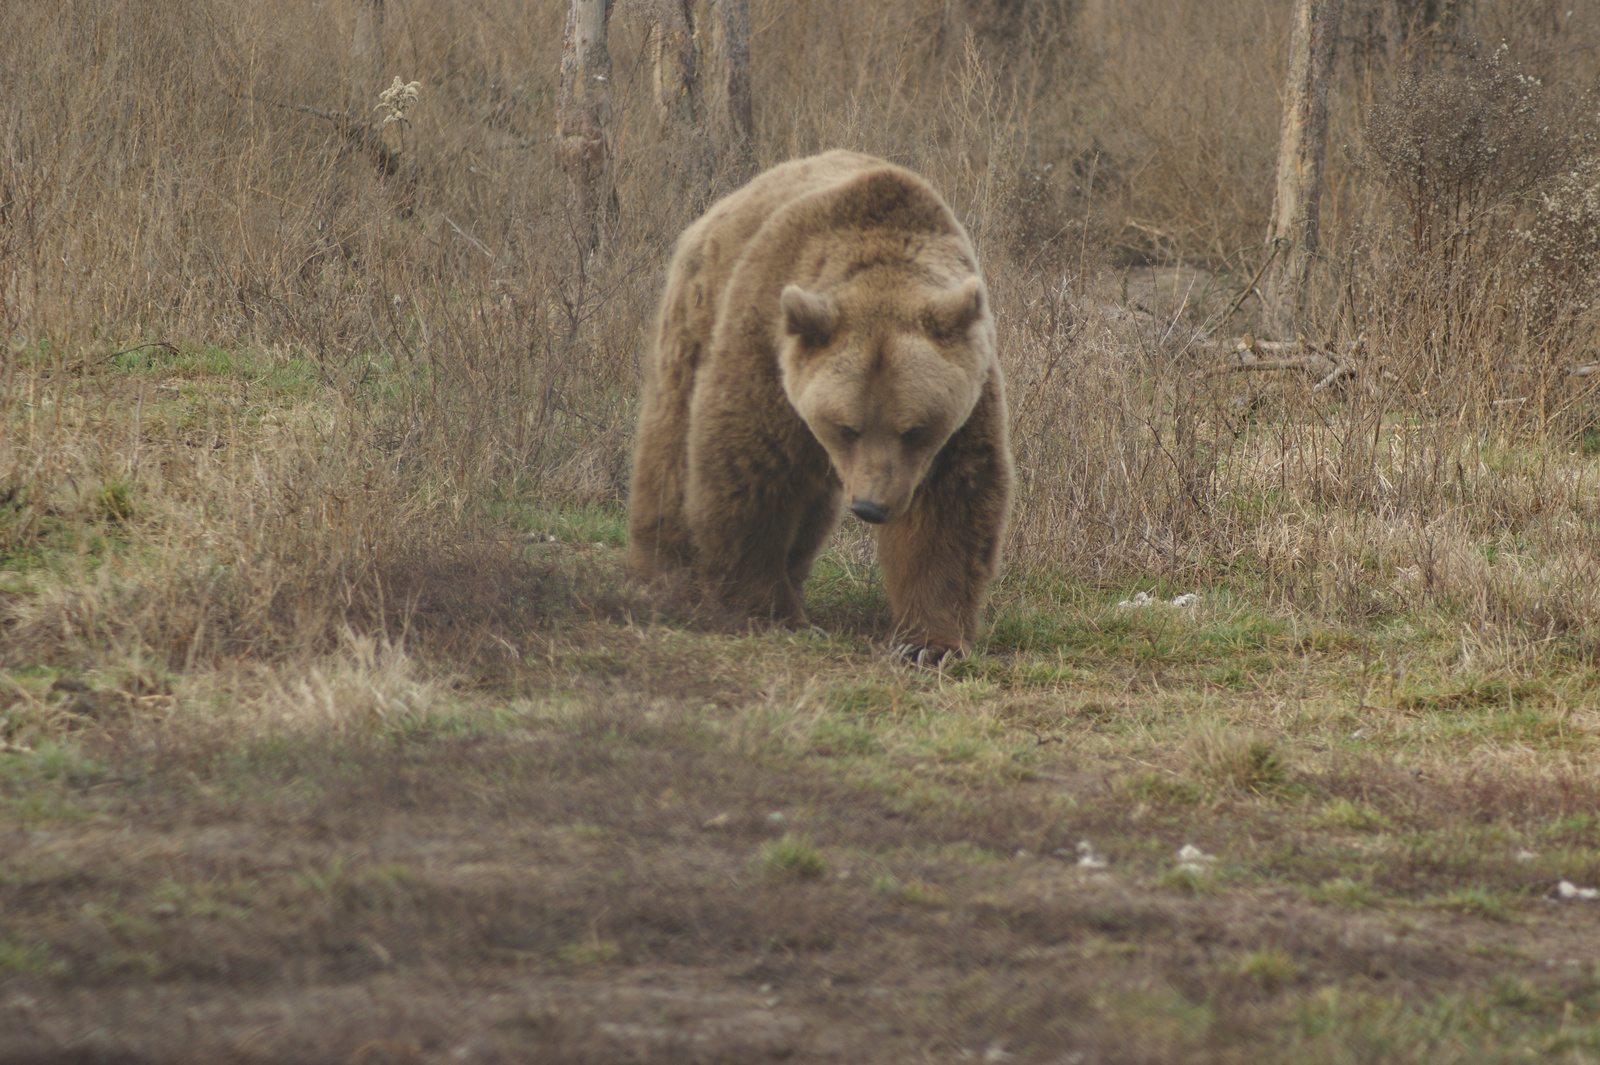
(825, 338)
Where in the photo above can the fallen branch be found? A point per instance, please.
(170, 349)
(1328, 364)
(1340, 371)
(1251, 287)
(1257, 365)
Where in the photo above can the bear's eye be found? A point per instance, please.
(847, 433)
(914, 436)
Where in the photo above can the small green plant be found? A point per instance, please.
(1164, 789)
(836, 737)
(322, 880)
(24, 958)
(863, 699)
(113, 501)
(1477, 902)
(1244, 760)
(1189, 880)
(1345, 893)
(1520, 993)
(793, 856)
(1271, 967)
(913, 892)
(1342, 813)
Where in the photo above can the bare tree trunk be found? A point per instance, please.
(366, 57)
(702, 84)
(583, 119)
(677, 65)
(676, 50)
(1393, 30)
(1302, 153)
(727, 95)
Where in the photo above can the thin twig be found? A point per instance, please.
(464, 235)
(341, 119)
(1266, 364)
(153, 344)
(1251, 287)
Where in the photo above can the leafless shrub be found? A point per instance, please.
(1461, 146)
(1559, 270)
(1465, 296)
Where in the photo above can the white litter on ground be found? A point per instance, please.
(1146, 599)
(1568, 890)
(1087, 858)
(1526, 856)
(1194, 860)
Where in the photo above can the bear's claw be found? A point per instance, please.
(915, 654)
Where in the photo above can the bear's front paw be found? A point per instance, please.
(917, 654)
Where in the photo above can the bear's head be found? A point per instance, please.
(883, 375)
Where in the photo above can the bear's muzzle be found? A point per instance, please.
(869, 512)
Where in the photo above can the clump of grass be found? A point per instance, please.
(1164, 788)
(24, 958)
(1238, 759)
(1190, 880)
(113, 500)
(1345, 893)
(913, 892)
(1342, 813)
(371, 684)
(793, 856)
(1477, 902)
(1271, 967)
(590, 952)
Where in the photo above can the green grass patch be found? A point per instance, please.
(1346, 894)
(1475, 902)
(792, 856)
(29, 958)
(1270, 967)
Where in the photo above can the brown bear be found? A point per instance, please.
(824, 335)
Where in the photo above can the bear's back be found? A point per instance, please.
(831, 200)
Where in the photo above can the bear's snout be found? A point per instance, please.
(869, 512)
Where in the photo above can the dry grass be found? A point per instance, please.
(457, 354)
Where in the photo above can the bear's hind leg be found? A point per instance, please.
(742, 558)
(745, 526)
(658, 534)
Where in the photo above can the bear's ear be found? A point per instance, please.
(811, 316)
(950, 312)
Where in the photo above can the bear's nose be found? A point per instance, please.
(868, 511)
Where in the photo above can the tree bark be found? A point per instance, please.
(677, 66)
(583, 120)
(366, 52)
(702, 86)
(727, 62)
(1302, 152)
